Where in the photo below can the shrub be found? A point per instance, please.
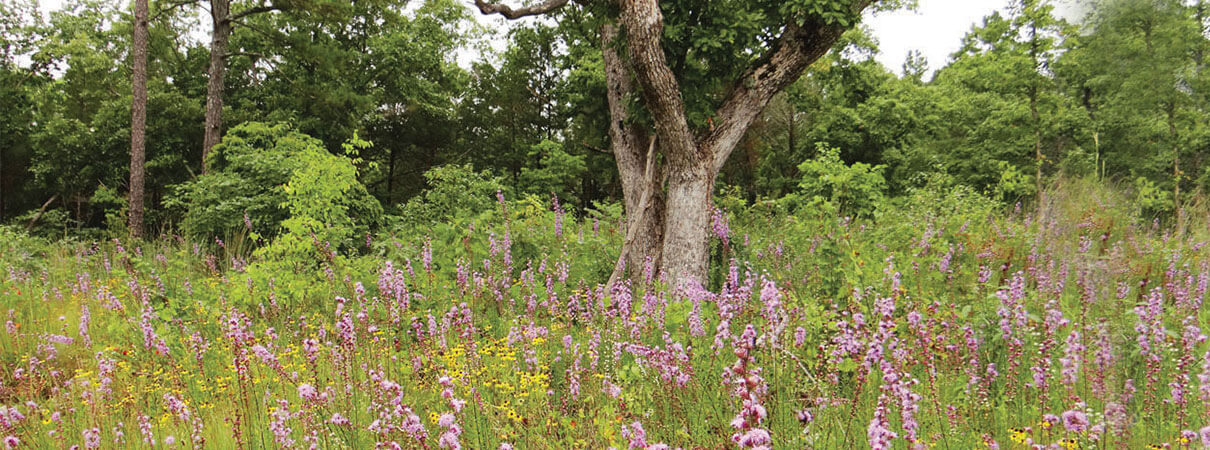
(559, 172)
(268, 173)
(855, 189)
(455, 191)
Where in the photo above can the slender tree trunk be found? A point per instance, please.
(791, 129)
(1176, 159)
(138, 117)
(391, 176)
(2, 190)
(1034, 52)
(33, 221)
(1033, 110)
(220, 11)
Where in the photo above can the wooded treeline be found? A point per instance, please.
(1122, 96)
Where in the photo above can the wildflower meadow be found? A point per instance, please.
(1074, 326)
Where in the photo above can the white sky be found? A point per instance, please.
(935, 27)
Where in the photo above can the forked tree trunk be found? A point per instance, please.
(638, 169)
(220, 11)
(685, 174)
(138, 117)
(690, 167)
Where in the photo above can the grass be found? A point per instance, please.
(945, 322)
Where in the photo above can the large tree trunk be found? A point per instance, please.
(220, 16)
(138, 117)
(686, 225)
(690, 167)
(691, 163)
(638, 169)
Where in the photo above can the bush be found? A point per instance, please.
(854, 190)
(559, 172)
(263, 174)
(454, 192)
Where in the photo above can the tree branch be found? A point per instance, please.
(251, 11)
(632, 223)
(796, 49)
(595, 148)
(249, 54)
(644, 24)
(171, 7)
(513, 14)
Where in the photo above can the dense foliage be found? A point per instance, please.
(265, 178)
(1029, 97)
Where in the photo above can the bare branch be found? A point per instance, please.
(595, 148)
(632, 224)
(251, 11)
(513, 14)
(172, 6)
(253, 55)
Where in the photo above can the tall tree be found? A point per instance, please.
(19, 25)
(1139, 72)
(223, 21)
(787, 37)
(138, 116)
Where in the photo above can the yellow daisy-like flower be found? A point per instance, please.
(1017, 435)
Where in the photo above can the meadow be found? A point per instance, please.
(945, 321)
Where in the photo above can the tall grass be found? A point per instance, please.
(946, 321)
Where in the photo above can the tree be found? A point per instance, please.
(668, 193)
(19, 24)
(1011, 59)
(223, 21)
(138, 116)
(1139, 76)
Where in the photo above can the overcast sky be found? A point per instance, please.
(935, 27)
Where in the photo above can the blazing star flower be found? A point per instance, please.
(307, 392)
(1075, 421)
(446, 420)
(91, 438)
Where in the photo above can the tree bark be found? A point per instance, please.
(638, 170)
(138, 117)
(34, 220)
(220, 12)
(690, 178)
